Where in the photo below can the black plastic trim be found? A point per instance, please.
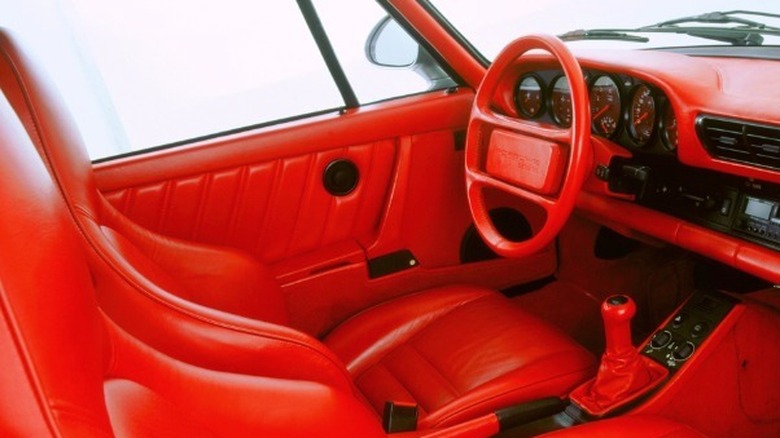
(391, 263)
(340, 177)
(326, 49)
(521, 414)
(215, 135)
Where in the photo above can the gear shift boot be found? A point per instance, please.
(623, 374)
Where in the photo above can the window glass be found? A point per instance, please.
(348, 24)
(176, 70)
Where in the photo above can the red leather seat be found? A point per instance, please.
(457, 351)
(67, 370)
(635, 426)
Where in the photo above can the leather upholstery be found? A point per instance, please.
(635, 426)
(175, 297)
(456, 352)
(68, 370)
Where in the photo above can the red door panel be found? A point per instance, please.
(262, 191)
(274, 210)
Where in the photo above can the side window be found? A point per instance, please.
(146, 73)
(349, 25)
(179, 70)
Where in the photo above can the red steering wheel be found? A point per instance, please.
(541, 164)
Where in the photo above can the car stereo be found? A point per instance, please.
(759, 218)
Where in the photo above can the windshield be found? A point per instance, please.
(490, 24)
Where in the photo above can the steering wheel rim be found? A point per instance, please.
(554, 161)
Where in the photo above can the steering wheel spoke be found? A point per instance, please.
(529, 128)
(540, 164)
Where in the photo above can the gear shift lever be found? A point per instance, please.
(623, 374)
(617, 312)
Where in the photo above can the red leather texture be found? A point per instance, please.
(623, 373)
(635, 426)
(222, 373)
(726, 391)
(273, 209)
(80, 375)
(447, 349)
(222, 278)
(538, 165)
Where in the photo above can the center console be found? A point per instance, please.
(677, 341)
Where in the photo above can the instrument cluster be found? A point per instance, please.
(624, 109)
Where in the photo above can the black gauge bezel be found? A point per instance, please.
(664, 134)
(619, 121)
(550, 103)
(628, 116)
(542, 89)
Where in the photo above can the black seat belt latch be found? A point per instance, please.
(399, 417)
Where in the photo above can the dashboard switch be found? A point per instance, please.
(661, 339)
(683, 351)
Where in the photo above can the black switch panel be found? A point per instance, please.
(675, 343)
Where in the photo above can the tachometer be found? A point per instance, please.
(560, 102)
(669, 128)
(642, 115)
(605, 106)
(529, 96)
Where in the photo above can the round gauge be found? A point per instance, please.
(529, 96)
(641, 115)
(560, 102)
(605, 106)
(669, 128)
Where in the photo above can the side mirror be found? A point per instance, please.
(389, 45)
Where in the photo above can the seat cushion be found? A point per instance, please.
(635, 426)
(457, 352)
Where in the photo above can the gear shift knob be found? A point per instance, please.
(617, 312)
(623, 374)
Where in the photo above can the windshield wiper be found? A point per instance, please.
(717, 17)
(747, 33)
(601, 34)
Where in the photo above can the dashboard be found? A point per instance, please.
(687, 148)
(633, 113)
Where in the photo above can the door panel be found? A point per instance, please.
(273, 210)
(262, 191)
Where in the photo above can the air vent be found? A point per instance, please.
(736, 140)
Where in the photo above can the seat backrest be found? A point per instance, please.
(51, 336)
(124, 245)
(138, 293)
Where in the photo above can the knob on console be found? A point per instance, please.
(623, 374)
(617, 312)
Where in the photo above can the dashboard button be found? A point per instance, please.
(679, 320)
(699, 329)
(661, 339)
(683, 351)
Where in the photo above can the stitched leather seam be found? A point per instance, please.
(26, 361)
(510, 391)
(430, 363)
(199, 317)
(406, 388)
(236, 208)
(275, 184)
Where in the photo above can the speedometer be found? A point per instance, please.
(642, 115)
(560, 102)
(669, 128)
(605, 106)
(529, 96)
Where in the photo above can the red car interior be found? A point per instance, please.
(353, 274)
(409, 350)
